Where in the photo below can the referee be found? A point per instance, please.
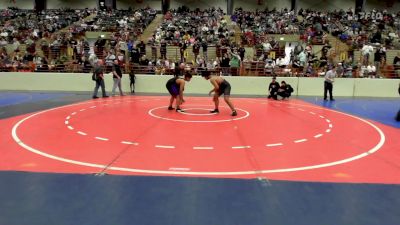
(328, 83)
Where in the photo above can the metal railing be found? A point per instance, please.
(246, 69)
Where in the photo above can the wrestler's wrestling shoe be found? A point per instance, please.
(214, 111)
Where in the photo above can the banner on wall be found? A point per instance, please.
(343, 56)
(370, 15)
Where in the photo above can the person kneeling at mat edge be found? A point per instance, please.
(285, 90)
(273, 89)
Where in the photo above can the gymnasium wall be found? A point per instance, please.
(125, 4)
(315, 5)
(245, 4)
(326, 4)
(202, 4)
(72, 4)
(22, 4)
(252, 5)
(381, 5)
(256, 86)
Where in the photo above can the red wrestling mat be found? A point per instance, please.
(137, 135)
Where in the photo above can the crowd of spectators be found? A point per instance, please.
(194, 31)
(132, 21)
(68, 49)
(30, 25)
(354, 28)
(371, 32)
(189, 26)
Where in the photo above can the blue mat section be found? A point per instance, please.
(382, 110)
(31, 198)
(15, 98)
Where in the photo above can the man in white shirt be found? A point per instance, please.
(267, 47)
(366, 51)
(363, 71)
(328, 83)
(269, 66)
(4, 34)
(172, 65)
(110, 58)
(371, 69)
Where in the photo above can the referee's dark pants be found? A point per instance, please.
(328, 88)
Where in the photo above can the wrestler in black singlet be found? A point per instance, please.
(224, 88)
(172, 86)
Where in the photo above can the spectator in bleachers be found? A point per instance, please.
(339, 70)
(204, 46)
(323, 61)
(3, 42)
(269, 67)
(396, 63)
(99, 46)
(366, 52)
(182, 51)
(121, 58)
(242, 52)
(302, 60)
(280, 62)
(224, 64)
(135, 55)
(109, 59)
(206, 27)
(163, 49)
(142, 48)
(43, 66)
(371, 70)
(234, 63)
(130, 47)
(348, 68)
(377, 37)
(122, 46)
(377, 60)
(144, 61)
(86, 63)
(196, 49)
(362, 71)
(15, 45)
